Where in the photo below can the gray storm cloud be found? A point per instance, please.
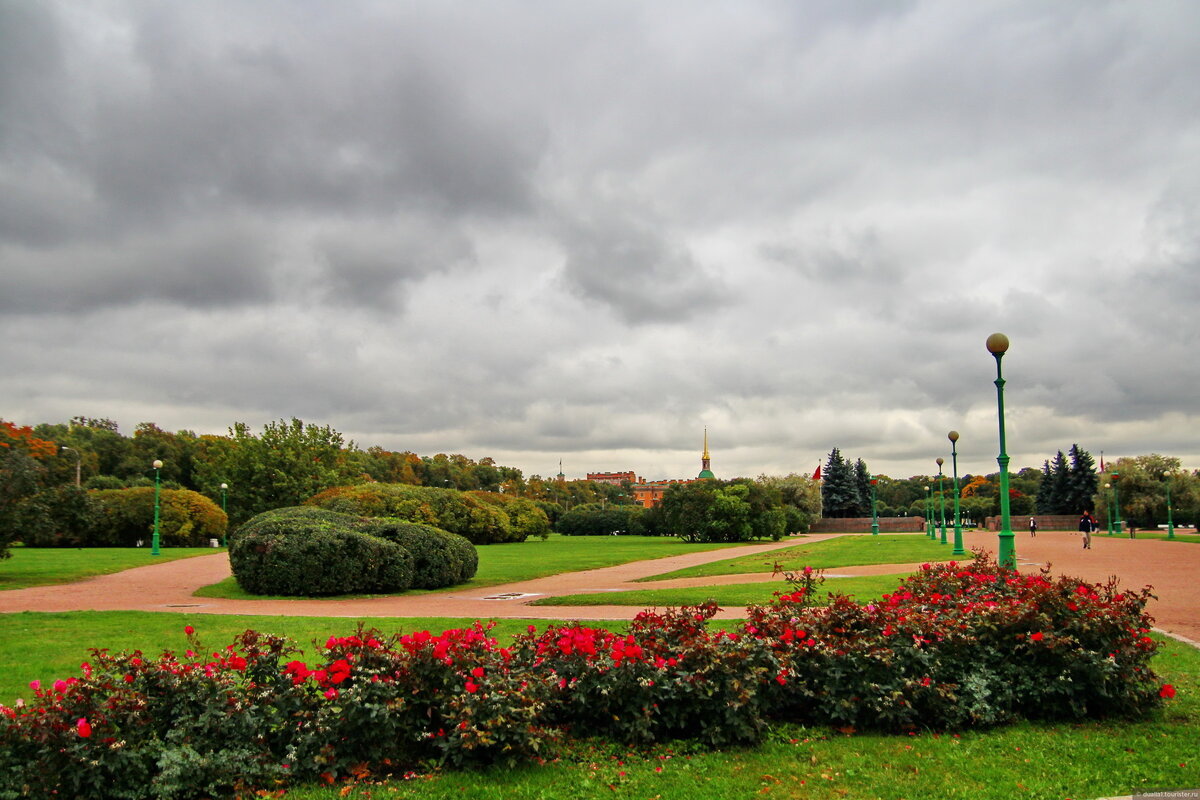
(529, 231)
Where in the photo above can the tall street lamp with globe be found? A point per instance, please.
(224, 490)
(942, 496)
(154, 539)
(958, 537)
(874, 509)
(997, 345)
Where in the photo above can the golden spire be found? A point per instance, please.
(705, 469)
(706, 443)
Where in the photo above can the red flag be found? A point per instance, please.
(817, 475)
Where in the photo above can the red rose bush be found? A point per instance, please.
(954, 646)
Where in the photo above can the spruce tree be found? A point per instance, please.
(1082, 482)
(862, 483)
(1046, 501)
(838, 493)
(1060, 486)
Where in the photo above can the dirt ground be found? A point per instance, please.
(1171, 568)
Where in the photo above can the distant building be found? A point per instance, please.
(650, 493)
(615, 478)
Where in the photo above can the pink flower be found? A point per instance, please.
(60, 686)
(35, 685)
(331, 693)
(83, 728)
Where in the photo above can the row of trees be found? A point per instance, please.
(709, 511)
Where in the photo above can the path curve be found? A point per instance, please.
(1171, 568)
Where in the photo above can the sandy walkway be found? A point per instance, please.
(1172, 568)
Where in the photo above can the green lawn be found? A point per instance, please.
(42, 566)
(537, 558)
(731, 595)
(855, 549)
(1040, 761)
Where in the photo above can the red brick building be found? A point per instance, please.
(615, 478)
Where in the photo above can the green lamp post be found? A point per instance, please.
(958, 536)
(225, 535)
(1108, 514)
(929, 511)
(997, 345)
(154, 539)
(942, 496)
(1170, 519)
(1116, 503)
(874, 510)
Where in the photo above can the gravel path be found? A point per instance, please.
(1171, 568)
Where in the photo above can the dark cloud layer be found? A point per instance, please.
(588, 230)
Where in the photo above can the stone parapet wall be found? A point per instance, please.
(1045, 522)
(863, 524)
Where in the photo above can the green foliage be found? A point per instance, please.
(439, 558)
(64, 516)
(287, 464)
(525, 517)
(457, 512)
(595, 519)
(840, 493)
(69, 517)
(801, 499)
(716, 511)
(1141, 486)
(311, 552)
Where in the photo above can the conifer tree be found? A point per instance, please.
(862, 483)
(839, 496)
(1082, 482)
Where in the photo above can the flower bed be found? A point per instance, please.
(954, 646)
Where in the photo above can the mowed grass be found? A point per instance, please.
(733, 595)
(46, 646)
(537, 558)
(844, 551)
(44, 566)
(1039, 761)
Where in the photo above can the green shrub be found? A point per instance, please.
(594, 519)
(439, 558)
(448, 509)
(313, 553)
(104, 482)
(526, 517)
(66, 516)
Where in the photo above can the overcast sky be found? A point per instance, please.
(586, 230)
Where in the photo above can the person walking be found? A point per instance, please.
(1085, 527)
(1032, 526)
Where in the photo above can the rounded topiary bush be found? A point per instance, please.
(439, 558)
(310, 552)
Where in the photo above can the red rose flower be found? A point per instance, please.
(1167, 691)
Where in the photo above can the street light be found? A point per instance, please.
(874, 510)
(1116, 500)
(154, 540)
(958, 538)
(942, 496)
(928, 511)
(224, 536)
(997, 345)
(1108, 516)
(78, 462)
(1170, 520)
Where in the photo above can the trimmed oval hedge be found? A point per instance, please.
(302, 551)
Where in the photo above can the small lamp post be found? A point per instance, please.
(1108, 515)
(224, 491)
(929, 525)
(997, 345)
(1170, 519)
(1116, 503)
(958, 536)
(942, 496)
(874, 509)
(154, 540)
(78, 462)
